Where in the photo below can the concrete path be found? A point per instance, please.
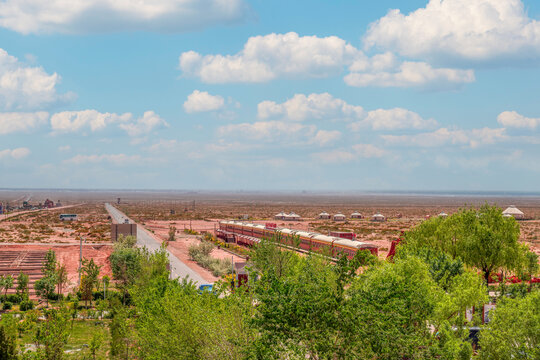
(144, 238)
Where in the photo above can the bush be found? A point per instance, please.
(12, 298)
(26, 305)
(56, 297)
(201, 255)
(7, 305)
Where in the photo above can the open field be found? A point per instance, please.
(46, 227)
(202, 212)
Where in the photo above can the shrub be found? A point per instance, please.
(26, 305)
(13, 298)
(7, 305)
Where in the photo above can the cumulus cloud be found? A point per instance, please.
(143, 125)
(98, 16)
(26, 87)
(266, 130)
(512, 119)
(393, 119)
(314, 106)
(442, 137)
(264, 58)
(93, 120)
(15, 122)
(279, 132)
(324, 106)
(467, 30)
(412, 74)
(115, 159)
(358, 151)
(17, 154)
(201, 101)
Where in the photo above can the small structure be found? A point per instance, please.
(280, 216)
(324, 215)
(378, 217)
(292, 217)
(339, 217)
(58, 204)
(512, 210)
(443, 214)
(356, 215)
(49, 204)
(123, 229)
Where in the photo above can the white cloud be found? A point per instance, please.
(356, 152)
(115, 159)
(512, 119)
(393, 119)
(472, 138)
(324, 106)
(25, 87)
(200, 101)
(64, 148)
(466, 30)
(314, 106)
(324, 137)
(267, 130)
(162, 146)
(264, 58)
(17, 154)
(98, 16)
(143, 125)
(14, 122)
(93, 120)
(412, 74)
(368, 151)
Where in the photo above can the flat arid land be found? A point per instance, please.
(158, 211)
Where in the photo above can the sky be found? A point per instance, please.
(437, 95)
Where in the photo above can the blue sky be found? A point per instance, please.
(280, 95)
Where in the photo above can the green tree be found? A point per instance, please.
(22, 285)
(89, 279)
(52, 334)
(8, 340)
(45, 287)
(125, 263)
(49, 266)
(388, 311)
(96, 342)
(514, 330)
(120, 330)
(7, 283)
(61, 277)
(482, 238)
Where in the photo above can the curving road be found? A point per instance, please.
(144, 238)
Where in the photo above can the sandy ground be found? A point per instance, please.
(180, 247)
(69, 256)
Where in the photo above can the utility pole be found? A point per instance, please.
(80, 261)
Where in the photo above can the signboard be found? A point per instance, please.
(271, 225)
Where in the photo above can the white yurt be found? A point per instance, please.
(280, 216)
(378, 217)
(515, 212)
(292, 217)
(443, 214)
(324, 215)
(356, 215)
(339, 217)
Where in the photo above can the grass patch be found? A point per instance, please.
(201, 255)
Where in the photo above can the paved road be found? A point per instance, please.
(144, 238)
